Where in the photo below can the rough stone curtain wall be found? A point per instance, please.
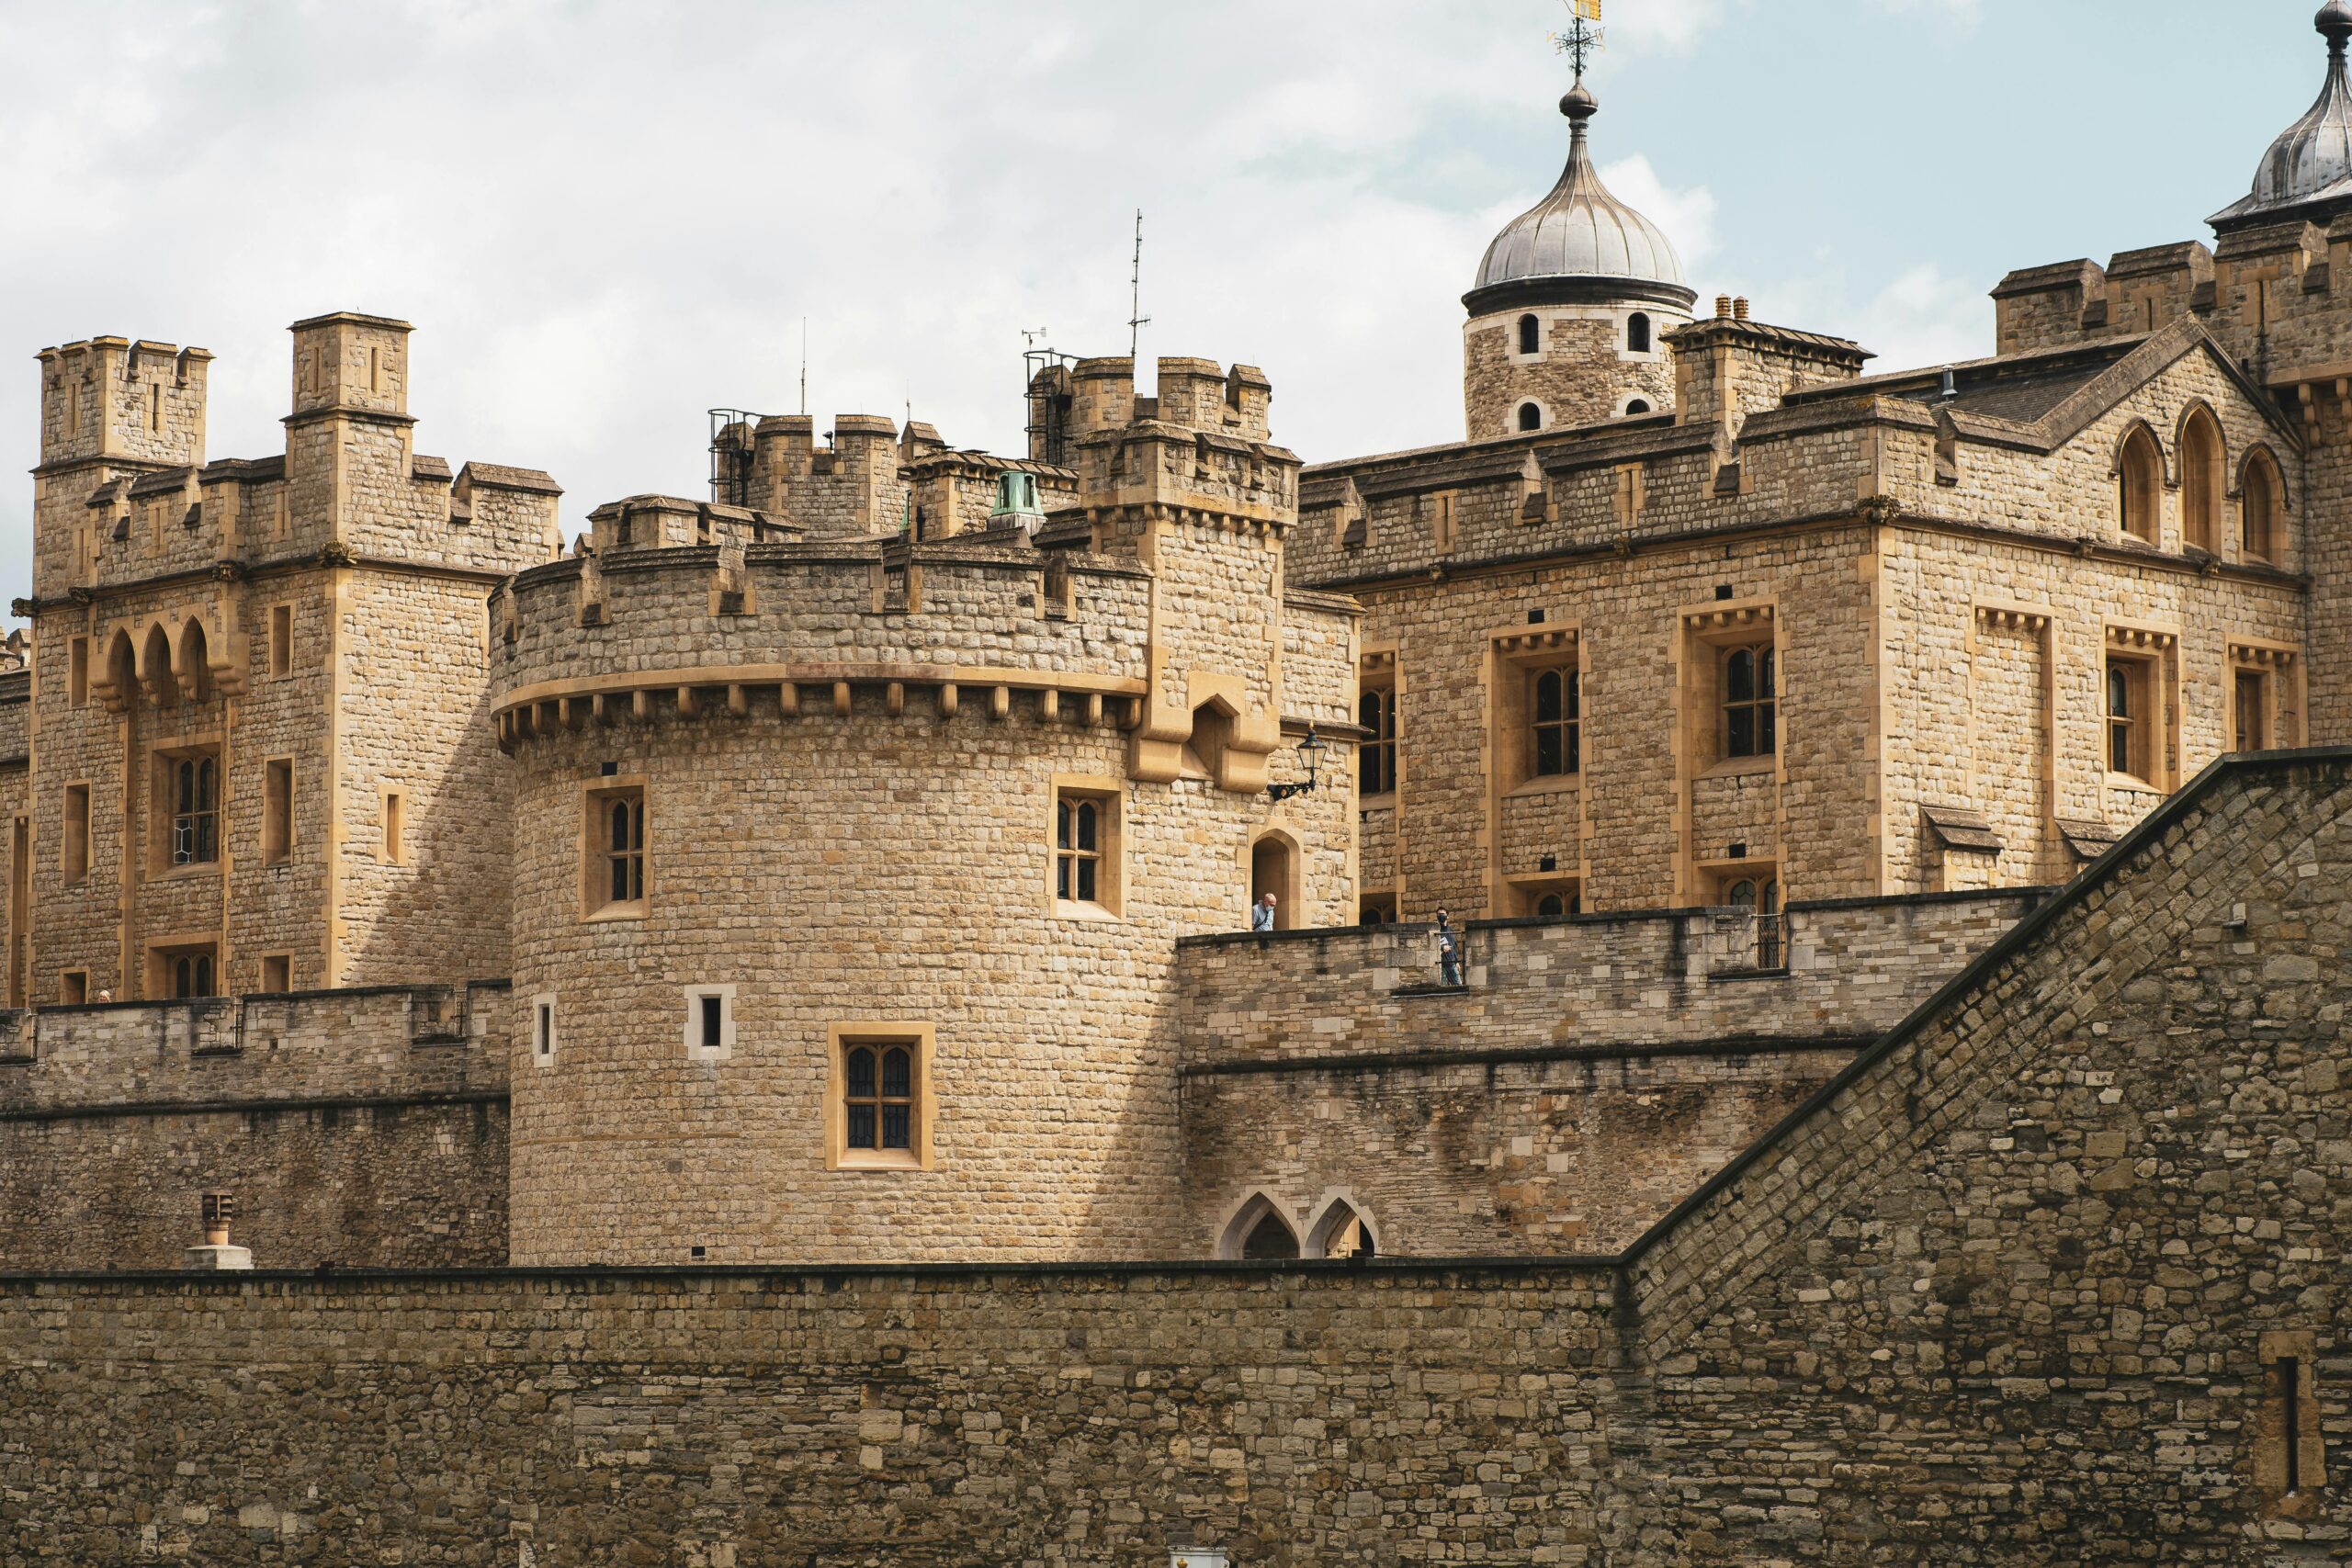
(1384, 1416)
(2003, 1297)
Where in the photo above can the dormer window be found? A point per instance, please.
(1531, 335)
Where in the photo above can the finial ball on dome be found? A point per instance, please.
(2335, 20)
(1580, 105)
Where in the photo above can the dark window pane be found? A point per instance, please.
(898, 1074)
(1551, 907)
(1061, 876)
(1368, 711)
(1741, 741)
(1087, 814)
(710, 1021)
(1576, 749)
(1061, 823)
(1086, 882)
(1741, 895)
(204, 976)
(1547, 697)
(1768, 736)
(1548, 751)
(1576, 693)
(861, 1127)
(620, 879)
(1739, 677)
(861, 1073)
(2118, 692)
(898, 1123)
(1768, 675)
(2118, 747)
(620, 825)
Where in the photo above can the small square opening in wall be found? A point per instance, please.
(543, 1029)
(277, 972)
(710, 1022)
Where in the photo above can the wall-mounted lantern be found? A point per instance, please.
(1310, 751)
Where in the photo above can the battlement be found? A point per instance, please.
(1202, 443)
(689, 631)
(123, 401)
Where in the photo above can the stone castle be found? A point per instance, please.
(1897, 830)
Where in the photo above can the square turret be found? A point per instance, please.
(350, 363)
(109, 399)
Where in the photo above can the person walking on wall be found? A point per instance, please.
(1449, 951)
(1261, 914)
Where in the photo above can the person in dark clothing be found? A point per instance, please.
(1449, 951)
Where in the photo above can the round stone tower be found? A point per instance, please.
(848, 874)
(1574, 301)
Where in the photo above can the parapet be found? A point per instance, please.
(114, 400)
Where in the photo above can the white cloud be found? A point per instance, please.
(1959, 13)
(1686, 213)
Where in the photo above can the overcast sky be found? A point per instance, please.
(605, 218)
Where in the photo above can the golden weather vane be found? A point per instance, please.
(1582, 40)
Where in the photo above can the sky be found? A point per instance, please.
(606, 217)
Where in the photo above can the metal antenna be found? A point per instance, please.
(1137, 321)
(1583, 39)
(804, 364)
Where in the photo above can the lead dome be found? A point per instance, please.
(1581, 231)
(2309, 164)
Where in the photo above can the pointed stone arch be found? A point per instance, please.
(2262, 506)
(1258, 1227)
(192, 660)
(2140, 481)
(1344, 1228)
(155, 666)
(117, 680)
(2204, 467)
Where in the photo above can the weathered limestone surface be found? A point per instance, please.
(2013, 1290)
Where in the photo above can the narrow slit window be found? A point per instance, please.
(1531, 335)
(196, 810)
(1530, 417)
(543, 1030)
(78, 671)
(277, 811)
(712, 1013)
(76, 846)
(395, 827)
(1376, 712)
(1079, 853)
(1637, 333)
(281, 640)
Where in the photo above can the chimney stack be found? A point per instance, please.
(216, 1255)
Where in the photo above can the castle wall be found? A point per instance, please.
(364, 1128)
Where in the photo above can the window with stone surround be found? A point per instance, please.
(1556, 722)
(78, 671)
(1376, 714)
(1376, 909)
(543, 1030)
(281, 641)
(2265, 707)
(184, 818)
(878, 1113)
(1530, 417)
(1531, 335)
(277, 973)
(74, 849)
(395, 821)
(276, 810)
(1758, 893)
(1086, 847)
(710, 1022)
(2131, 737)
(73, 988)
(1637, 333)
(2262, 523)
(1752, 703)
(181, 973)
(2139, 486)
(612, 867)
(2201, 466)
(1545, 896)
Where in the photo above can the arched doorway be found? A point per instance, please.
(1259, 1232)
(1341, 1231)
(1273, 868)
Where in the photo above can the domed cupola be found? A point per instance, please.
(1574, 300)
(1579, 235)
(2307, 173)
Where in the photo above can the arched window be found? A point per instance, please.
(1761, 897)
(2262, 530)
(1530, 417)
(2140, 485)
(196, 812)
(2201, 467)
(1273, 868)
(625, 846)
(1376, 712)
(1340, 1232)
(1531, 335)
(1751, 703)
(878, 1089)
(192, 975)
(1557, 703)
(1258, 1229)
(1552, 906)
(2127, 736)
(1639, 405)
(1637, 333)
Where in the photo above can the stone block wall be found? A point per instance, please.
(365, 1128)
